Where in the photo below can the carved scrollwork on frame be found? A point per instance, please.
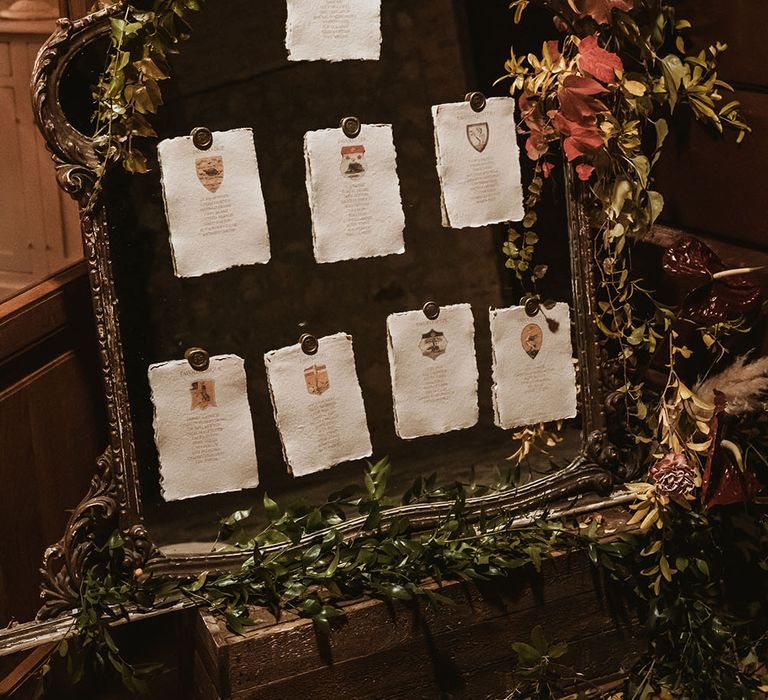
(112, 502)
(74, 153)
(89, 527)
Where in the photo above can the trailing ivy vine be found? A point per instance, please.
(128, 92)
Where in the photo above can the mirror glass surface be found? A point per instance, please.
(234, 72)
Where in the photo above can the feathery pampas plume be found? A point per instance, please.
(744, 384)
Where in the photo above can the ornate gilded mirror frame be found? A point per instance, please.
(114, 502)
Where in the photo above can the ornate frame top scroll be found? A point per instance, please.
(114, 500)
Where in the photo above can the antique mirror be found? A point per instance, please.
(233, 72)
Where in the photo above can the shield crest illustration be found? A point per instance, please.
(532, 339)
(433, 344)
(316, 379)
(478, 135)
(210, 172)
(353, 161)
(203, 394)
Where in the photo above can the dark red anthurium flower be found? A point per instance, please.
(713, 294)
(723, 482)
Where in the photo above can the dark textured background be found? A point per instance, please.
(234, 73)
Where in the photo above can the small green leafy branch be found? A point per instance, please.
(706, 619)
(128, 92)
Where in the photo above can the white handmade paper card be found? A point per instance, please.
(434, 371)
(478, 162)
(534, 378)
(354, 193)
(333, 30)
(214, 203)
(203, 428)
(318, 405)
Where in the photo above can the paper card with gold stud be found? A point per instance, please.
(318, 404)
(214, 203)
(534, 376)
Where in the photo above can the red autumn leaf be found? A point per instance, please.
(576, 120)
(583, 141)
(530, 110)
(598, 62)
(600, 10)
(537, 145)
(579, 109)
(552, 49)
(580, 85)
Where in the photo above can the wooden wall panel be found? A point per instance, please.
(51, 428)
(711, 185)
(714, 186)
(740, 24)
(74, 8)
(39, 228)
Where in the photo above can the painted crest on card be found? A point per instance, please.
(478, 135)
(353, 161)
(532, 339)
(433, 344)
(203, 394)
(316, 379)
(210, 172)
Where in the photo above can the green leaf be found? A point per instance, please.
(674, 72)
(662, 131)
(538, 640)
(115, 541)
(656, 205)
(273, 511)
(526, 654)
(237, 517)
(557, 650)
(199, 583)
(622, 190)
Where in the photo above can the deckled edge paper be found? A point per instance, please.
(214, 203)
(354, 194)
(203, 428)
(434, 374)
(318, 405)
(534, 378)
(478, 163)
(333, 30)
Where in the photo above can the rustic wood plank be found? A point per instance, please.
(34, 315)
(428, 665)
(292, 644)
(203, 686)
(712, 185)
(383, 647)
(26, 671)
